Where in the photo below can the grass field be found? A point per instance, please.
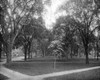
(38, 67)
(87, 75)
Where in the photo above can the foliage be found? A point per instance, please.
(17, 14)
(81, 23)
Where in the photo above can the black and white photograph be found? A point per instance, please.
(49, 39)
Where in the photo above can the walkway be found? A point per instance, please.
(13, 75)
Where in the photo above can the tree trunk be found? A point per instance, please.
(86, 53)
(9, 47)
(25, 52)
(43, 51)
(97, 55)
(25, 56)
(97, 51)
(28, 51)
(8, 57)
(9, 53)
(71, 53)
(0, 50)
(0, 53)
(85, 39)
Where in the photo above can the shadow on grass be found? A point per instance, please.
(2, 77)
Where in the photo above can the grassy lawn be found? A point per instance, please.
(2, 77)
(38, 67)
(87, 75)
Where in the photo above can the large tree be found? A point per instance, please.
(1, 24)
(84, 18)
(17, 13)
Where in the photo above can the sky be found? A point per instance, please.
(51, 12)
